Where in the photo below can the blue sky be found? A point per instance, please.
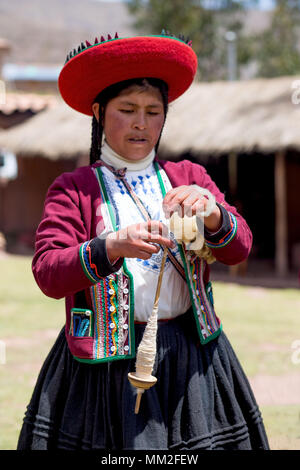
(266, 4)
(263, 4)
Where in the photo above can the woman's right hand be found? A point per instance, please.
(137, 241)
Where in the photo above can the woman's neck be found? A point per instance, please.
(109, 156)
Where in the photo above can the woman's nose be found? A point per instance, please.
(140, 121)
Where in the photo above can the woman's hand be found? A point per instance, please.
(136, 241)
(188, 200)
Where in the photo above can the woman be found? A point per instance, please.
(100, 245)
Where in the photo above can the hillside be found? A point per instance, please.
(43, 31)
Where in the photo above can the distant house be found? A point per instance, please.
(17, 107)
(33, 78)
(41, 154)
(246, 134)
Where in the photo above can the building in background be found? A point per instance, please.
(245, 133)
(50, 143)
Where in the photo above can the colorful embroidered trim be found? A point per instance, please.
(81, 322)
(229, 235)
(110, 299)
(208, 324)
(89, 268)
(104, 196)
(87, 45)
(205, 311)
(113, 302)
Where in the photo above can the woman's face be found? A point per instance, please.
(133, 122)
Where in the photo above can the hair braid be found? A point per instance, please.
(94, 150)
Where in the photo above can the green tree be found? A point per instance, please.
(277, 48)
(204, 22)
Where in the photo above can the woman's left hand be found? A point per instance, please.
(187, 200)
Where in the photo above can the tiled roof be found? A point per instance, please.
(27, 101)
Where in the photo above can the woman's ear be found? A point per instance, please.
(95, 108)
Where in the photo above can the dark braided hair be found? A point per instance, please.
(111, 92)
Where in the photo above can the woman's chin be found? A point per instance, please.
(136, 154)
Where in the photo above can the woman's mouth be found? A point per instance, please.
(137, 140)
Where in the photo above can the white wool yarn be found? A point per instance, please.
(186, 230)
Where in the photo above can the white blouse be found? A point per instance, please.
(174, 296)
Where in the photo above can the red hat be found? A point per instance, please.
(92, 68)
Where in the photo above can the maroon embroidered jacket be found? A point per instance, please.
(71, 218)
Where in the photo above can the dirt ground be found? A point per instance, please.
(276, 390)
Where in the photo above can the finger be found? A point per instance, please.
(140, 248)
(155, 245)
(144, 255)
(162, 241)
(177, 196)
(198, 208)
(158, 232)
(154, 237)
(149, 236)
(175, 202)
(156, 227)
(188, 204)
(173, 206)
(169, 198)
(138, 253)
(151, 231)
(137, 231)
(148, 247)
(172, 192)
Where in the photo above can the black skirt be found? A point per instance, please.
(202, 399)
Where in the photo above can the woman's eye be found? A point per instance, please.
(152, 113)
(126, 110)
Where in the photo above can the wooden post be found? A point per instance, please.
(234, 270)
(233, 173)
(281, 254)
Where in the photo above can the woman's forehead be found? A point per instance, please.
(136, 94)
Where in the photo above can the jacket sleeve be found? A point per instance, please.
(232, 243)
(65, 260)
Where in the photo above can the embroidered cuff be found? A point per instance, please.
(225, 234)
(94, 260)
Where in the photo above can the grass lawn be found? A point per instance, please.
(261, 324)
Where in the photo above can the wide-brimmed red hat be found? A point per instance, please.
(92, 68)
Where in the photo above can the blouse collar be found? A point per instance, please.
(109, 156)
